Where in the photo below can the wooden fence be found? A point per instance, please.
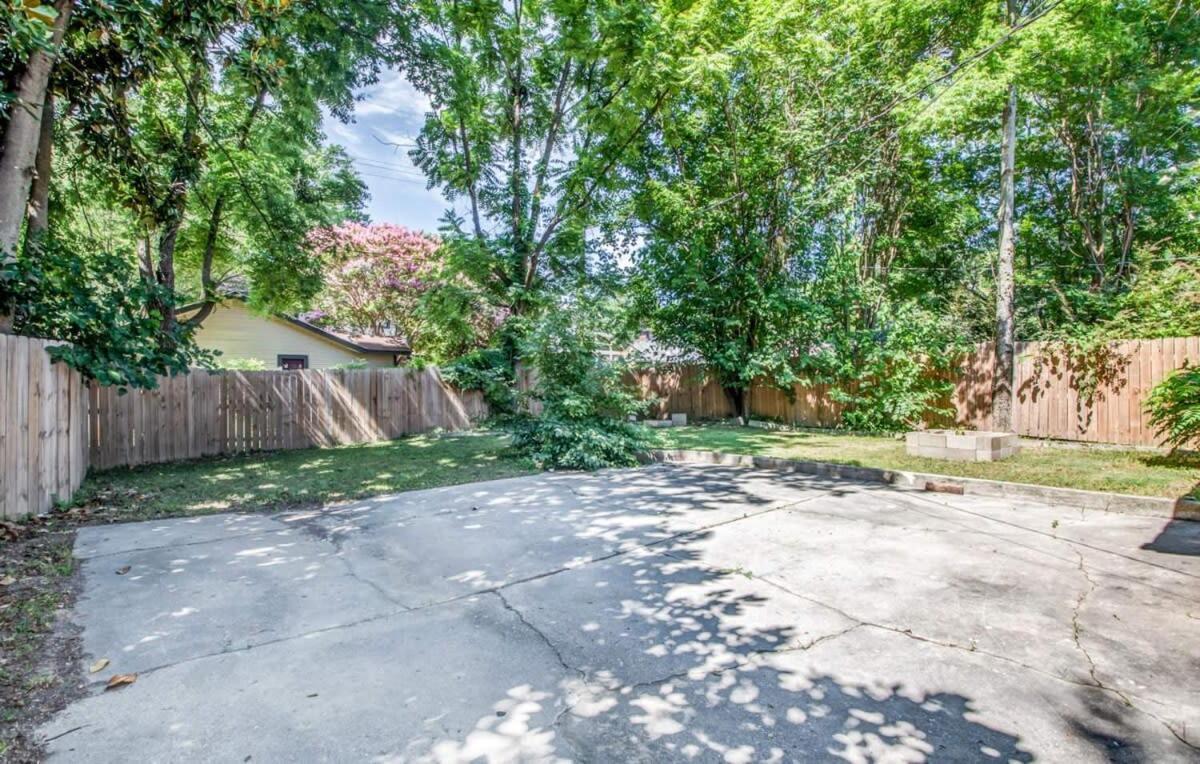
(1048, 402)
(204, 414)
(53, 427)
(43, 428)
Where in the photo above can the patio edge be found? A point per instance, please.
(1150, 506)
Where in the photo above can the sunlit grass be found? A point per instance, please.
(284, 479)
(1093, 469)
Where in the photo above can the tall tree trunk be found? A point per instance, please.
(19, 151)
(39, 193)
(1002, 383)
(207, 287)
(174, 209)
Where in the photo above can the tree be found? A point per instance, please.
(533, 105)
(1002, 377)
(22, 128)
(191, 141)
(375, 277)
(724, 242)
(783, 161)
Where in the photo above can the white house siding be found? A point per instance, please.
(241, 333)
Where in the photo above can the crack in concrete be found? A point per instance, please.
(375, 587)
(1076, 630)
(1076, 635)
(265, 643)
(137, 550)
(489, 590)
(910, 634)
(540, 634)
(991, 518)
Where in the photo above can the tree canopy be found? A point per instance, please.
(788, 190)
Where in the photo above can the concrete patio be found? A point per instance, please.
(668, 613)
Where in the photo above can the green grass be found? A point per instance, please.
(285, 479)
(1091, 469)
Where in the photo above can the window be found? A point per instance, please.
(290, 362)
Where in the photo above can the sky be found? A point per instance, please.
(389, 112)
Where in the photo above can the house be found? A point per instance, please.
(284, 342)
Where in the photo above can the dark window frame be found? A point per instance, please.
(280, 358)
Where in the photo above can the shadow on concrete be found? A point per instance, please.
(619, 642)
(1180, 537)
(672, 660)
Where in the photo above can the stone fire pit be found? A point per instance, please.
(963, 446)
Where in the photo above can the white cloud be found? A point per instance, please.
(336, 131)
(392, 96)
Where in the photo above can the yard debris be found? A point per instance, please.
(7, 581)
(120, 680)
(98, 666)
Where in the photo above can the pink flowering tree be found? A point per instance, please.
(375, 276)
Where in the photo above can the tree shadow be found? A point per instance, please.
(620, 643)
(1181, 537)
(669, 659)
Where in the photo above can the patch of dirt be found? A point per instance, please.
(40, 648)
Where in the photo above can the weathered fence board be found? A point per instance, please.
(1048, 401)
(43, 438)
(203, 413)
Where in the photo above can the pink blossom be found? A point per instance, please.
(374, 276)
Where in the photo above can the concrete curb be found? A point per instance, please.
(1149, 506)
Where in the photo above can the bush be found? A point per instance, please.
(489, 371)
(585, 402)
(892, 378)
(100, 304)
(589, 443)
(1174, 408)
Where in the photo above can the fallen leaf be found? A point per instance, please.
(123, 570)
(98, 665)
(7, 581)
(120, 680)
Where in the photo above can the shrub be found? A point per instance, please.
(585, 403)
(1174, 408)
(489, 371)
(893, 377)
(97, 301)
(589, 443)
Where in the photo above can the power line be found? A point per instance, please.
(399, 168)
(393, 177)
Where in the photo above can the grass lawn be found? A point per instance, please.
(1092, 469)
(284, 479)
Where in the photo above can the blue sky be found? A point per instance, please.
(390, 112)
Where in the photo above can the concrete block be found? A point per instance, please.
(961, 442)
(961, 445)
(932, 439)
(679, 420)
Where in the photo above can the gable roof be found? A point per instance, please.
(362, 343)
